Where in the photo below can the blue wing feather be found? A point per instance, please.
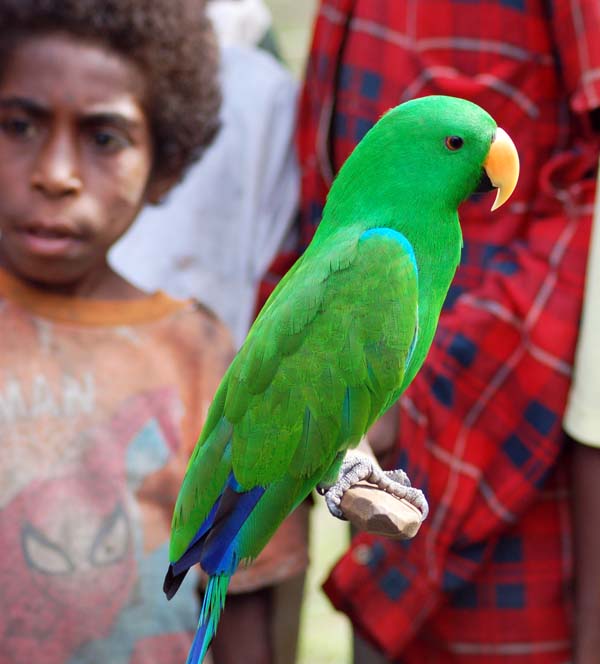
(213, 545)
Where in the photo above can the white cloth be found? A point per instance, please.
(239, 22)
(217, 232)
(582, 417)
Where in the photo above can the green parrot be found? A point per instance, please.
(338, 341)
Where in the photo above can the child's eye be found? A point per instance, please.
(108, 141)
(20, 128)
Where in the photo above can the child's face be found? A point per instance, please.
(75, 158)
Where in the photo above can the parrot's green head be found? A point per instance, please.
(426, 154)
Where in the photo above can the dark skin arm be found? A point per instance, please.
(586, 535)
(244, 634)
(595, 120)
(383, 434)
(586, 508)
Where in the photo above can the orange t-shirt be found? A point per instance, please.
(101, 403)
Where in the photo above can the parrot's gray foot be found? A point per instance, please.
(358, 467)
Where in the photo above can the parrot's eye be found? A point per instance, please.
(454, 142)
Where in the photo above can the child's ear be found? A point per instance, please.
(159, 186)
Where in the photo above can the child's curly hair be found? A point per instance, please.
(174, 48)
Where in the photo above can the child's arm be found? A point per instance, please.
(586, 510)
(582, 422)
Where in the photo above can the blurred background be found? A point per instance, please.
(292, 21)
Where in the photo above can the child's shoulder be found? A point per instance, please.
(193, 311)
(200, 326)
(199, 338)
(157, 318)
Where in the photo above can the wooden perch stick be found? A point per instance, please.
(373, 510)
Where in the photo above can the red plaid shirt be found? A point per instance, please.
(487, 579)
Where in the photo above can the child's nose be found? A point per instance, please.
(56, 173)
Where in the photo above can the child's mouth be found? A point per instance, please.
(45, 239)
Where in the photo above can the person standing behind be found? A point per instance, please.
(103, 387)
(487, 578)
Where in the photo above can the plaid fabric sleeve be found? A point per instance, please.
(575, 27)
(480, 431)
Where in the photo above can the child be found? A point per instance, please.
(103, 388)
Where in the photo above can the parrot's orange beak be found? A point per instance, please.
(502, 166)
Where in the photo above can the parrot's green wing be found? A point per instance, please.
(321, 362)
(317, 368)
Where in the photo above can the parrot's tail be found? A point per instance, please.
(212, 606)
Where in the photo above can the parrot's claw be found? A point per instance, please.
(357, 467)
(399, 476)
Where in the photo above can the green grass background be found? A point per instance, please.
(325, 635)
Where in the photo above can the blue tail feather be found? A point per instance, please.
(212, 606)
(215, 547)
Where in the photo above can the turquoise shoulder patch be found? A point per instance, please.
(402, 240)
(391, 234)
